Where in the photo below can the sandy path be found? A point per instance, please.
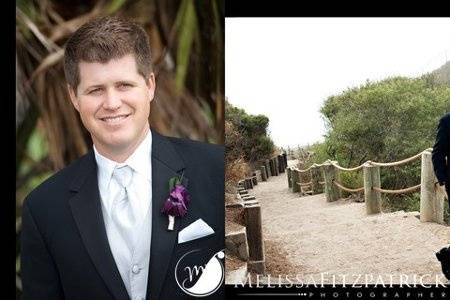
(307, 238)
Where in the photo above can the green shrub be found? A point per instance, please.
(383, 121)
(255, 143)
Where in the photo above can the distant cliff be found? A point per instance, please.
(442, 75)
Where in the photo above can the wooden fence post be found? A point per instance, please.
(255, 238)
(295, 178)
(431, 202)
(289, 174)
(272, 169)
(275, 166)
(315, 178)
(263, 173)
(248, 183)
(281, 167)
(254, 179)
(330, 174)
(371, 180)
(268, 171)
(277, 163)
(258, 175)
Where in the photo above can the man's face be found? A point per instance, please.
(113, 100)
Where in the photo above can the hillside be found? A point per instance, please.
(442, 75)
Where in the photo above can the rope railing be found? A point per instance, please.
(347, 169)
(402, 191)
(373, 163)
(346, 188)
(397, 163)
(304, 171)
(310, 167)
(431, 208)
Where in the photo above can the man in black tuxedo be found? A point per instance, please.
(441, 154)
(96, 229)
(441, 164)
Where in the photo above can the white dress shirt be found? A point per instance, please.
(131, 260)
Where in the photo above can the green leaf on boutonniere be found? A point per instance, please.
(172, 182)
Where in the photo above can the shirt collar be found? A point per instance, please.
(139, 160)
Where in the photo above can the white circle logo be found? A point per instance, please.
(209, 277)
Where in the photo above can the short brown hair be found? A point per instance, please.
(103, 39)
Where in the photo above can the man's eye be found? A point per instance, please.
(124, 85)
(95, 91)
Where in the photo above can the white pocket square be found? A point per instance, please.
(195, 230)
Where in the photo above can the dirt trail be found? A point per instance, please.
(308, 238)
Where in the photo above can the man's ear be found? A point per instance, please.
(151, 85)
(73, 97)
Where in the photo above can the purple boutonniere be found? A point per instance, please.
(177, 203)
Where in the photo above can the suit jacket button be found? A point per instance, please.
(135, 269)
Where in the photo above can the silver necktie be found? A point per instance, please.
(122, 210)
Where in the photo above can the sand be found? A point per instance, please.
(309, 239)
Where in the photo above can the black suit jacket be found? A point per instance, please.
(441, 150)
(65, 253)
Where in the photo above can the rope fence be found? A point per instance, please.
(361, 189)
(402, 191)
(431, 202)
(372, 163)
(346, 169)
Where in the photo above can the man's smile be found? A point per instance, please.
(115, 119)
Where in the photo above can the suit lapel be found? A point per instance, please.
(86, 210)
(166, 163)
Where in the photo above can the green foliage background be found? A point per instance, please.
(255, 144)
(383, 121)
(187, 44)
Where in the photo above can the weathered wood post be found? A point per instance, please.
(315, 178)
(281, 167)
(248, 183)
(431, 202)
(272, 169)
(263, 173)
(258, 175)
(321, 180)
(275, 166)
(371, 180)
(330, 174)
(254, 179)
(295, 178)
(241, 183)
(289, 174)
(267, 164)
(278, 163)
(255, 238)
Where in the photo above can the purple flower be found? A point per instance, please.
(176, 204)
(180, 193)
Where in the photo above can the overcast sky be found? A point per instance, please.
(285, 68)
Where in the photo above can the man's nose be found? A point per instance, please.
(112, 100)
